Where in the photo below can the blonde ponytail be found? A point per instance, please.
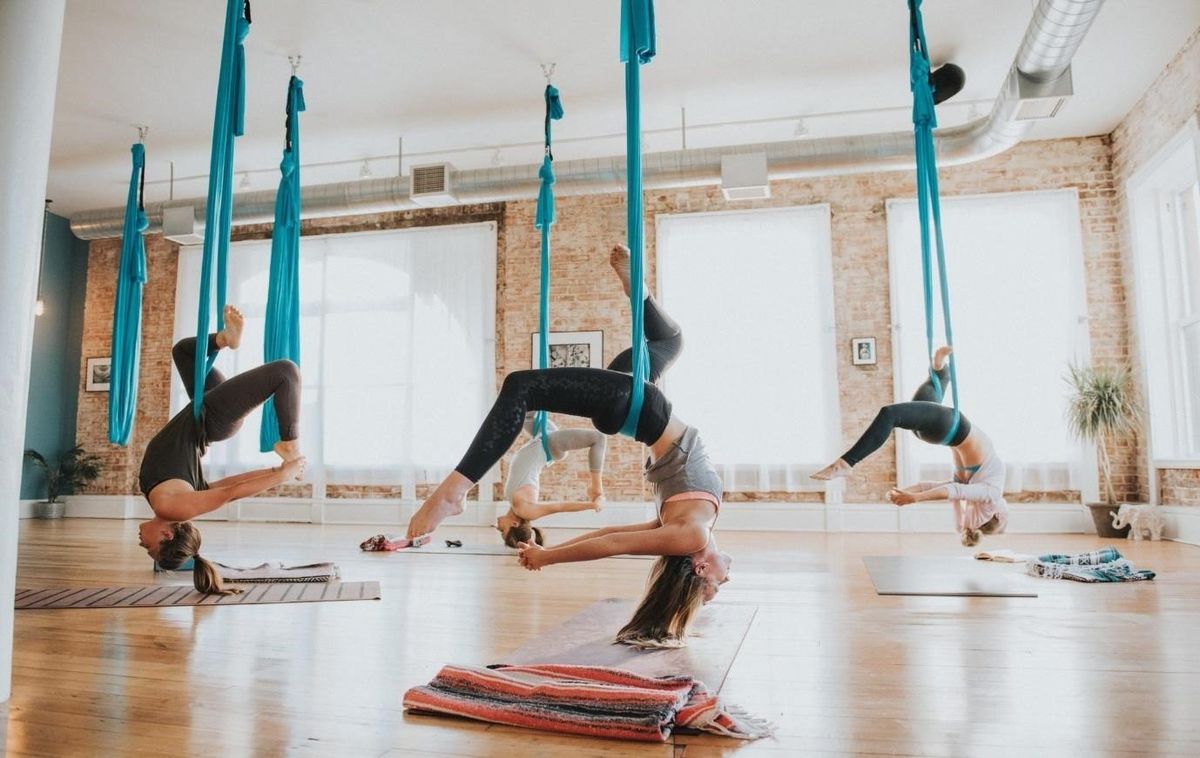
(207, 579)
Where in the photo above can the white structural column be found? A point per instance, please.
(30, 37)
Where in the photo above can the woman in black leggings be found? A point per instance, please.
(977, 489)
(171, 477)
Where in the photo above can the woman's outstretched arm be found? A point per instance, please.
(672, 539)
(184, 506)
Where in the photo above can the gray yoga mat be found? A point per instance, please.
(158, 596)
(955, 577)
(587, 639)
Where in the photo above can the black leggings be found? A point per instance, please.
(227, 402)
(924, 416)
(593, 393)
(664, 342)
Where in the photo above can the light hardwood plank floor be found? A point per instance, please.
(1081, 670)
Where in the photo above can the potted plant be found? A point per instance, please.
(75, 468)
(1103, 406)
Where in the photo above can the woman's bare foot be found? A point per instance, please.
(939, 358)
(839, 469)
(598, 503)
(231, 335)
(288, 450)
(619, 260)
(446, 501)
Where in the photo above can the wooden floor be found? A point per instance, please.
(1080, 670)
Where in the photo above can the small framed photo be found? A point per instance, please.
(99, 374)
(862, 351)
(570, 349)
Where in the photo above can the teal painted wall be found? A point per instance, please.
(57, 342)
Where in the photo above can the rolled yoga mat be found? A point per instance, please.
(946, 576)
(587, 639)
(158, 596)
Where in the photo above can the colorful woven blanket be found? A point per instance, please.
(590, 700)
(1104, 565)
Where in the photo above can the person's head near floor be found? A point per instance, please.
(172, 543)
(995, 525)
(515, 530)
(677, 587)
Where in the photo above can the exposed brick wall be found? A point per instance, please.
(1159, 115)
(587, 295)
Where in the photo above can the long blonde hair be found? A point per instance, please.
(674, 592)
(185, 544)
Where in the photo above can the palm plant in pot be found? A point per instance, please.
(1103, 406)
(75, 468)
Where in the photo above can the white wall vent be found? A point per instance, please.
(744, 176)
(429, 185)
(180, 225)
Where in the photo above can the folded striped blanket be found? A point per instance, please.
(1104, 565)
(595, 701)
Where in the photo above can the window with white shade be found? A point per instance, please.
(1019, 308)
(397, 346)
(1164, 202)
(753, 293)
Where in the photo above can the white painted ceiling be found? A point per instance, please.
(457, 78)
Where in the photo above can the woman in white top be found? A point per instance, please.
(524, 477)
(977, 489)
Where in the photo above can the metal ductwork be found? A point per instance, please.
(1040, 72)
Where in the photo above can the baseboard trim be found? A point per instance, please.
(25, 508)
(1183, 523)
(1043, 518)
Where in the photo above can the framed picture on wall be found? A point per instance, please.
(570, 349)
(99, 374)
(862, 351)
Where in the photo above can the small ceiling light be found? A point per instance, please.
(244, 184)
(365, 172)
(801, 128)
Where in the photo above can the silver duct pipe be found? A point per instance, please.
(1051, 39)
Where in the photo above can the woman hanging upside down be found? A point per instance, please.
(977, 490)
(171, 476)
(664, 341)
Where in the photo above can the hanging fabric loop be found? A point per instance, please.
(928, 203)
(228, 122)
(638, 47)
(543, 220)
(127, 309)
(281, 336)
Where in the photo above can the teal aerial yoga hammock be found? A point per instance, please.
(543, 221)
(637, 48)
(282, 335)
(127, 310)
(228, 122)
(928, 205)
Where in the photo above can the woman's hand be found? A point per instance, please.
(900, 497)
(531, 556)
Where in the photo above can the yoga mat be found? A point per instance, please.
(438, 547)
(955, 577)
(587, 639)
(181, 595)
(273, 571)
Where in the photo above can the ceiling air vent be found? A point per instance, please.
(1037, 100)
(430, 185)
(180, 226)
(744, 176)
